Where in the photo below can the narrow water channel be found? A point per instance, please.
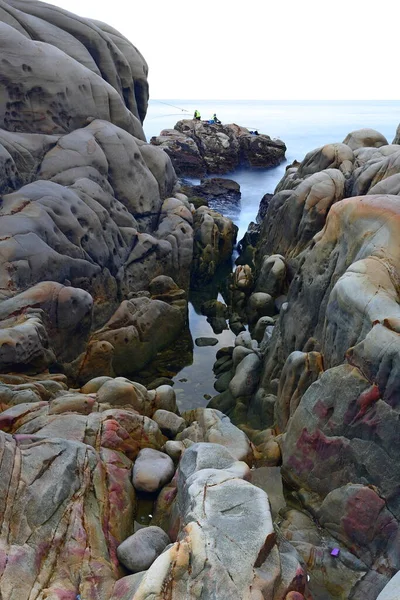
(194, 383)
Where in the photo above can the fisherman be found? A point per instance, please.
(197, 115)
(216, 120)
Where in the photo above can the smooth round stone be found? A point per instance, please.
(139, 551)
(174, 449)
(206, 341)
(152, 470)
(169, 423)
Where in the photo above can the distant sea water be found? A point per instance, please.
(303, 126)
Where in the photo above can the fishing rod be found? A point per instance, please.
(173, 105)
(162, 116)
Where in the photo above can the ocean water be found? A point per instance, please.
(303, 126)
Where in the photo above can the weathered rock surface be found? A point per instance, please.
(226, 547)
(330, 368)
(69, 504)
(214, 239)
(198, 147)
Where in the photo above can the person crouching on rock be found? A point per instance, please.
(216, 120)
(197, 115)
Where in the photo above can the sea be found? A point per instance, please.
(303, 126)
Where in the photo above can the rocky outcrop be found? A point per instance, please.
(327, 397)
(90, 214)
(198, 147)
(70, 463)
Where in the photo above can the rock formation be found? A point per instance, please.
(199, 147)
(90, 213)
(315, 383)
(97, 246)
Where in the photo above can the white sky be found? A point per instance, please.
(259, 49)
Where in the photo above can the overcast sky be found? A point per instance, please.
(259, 49)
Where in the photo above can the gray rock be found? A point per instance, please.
(139, 551)
(169, 423)
(246, 376)
(152, 470)
(205, 341)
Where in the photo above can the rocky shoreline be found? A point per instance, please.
(107, 491)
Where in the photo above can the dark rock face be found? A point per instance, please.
(217, 189)
(198, 147)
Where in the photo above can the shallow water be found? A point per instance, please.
(303, 126)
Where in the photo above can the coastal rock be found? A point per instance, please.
(390, 591)
(152, 470)
(198, 147)
(169, 423)
(365, 138)
(183, 152)
(139, 329)
(139, 551)
(294, 216)
(210, 425)
(376, 169)
(328, 380)
(69, 489)
(217, 189)
(219, 530)
(214, 238)
(86, 203)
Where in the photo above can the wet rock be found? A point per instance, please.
(205, 341)
(272, 275)
(160, 381)
(217, 188)
(223, 381)
(243, 278)
(260, 327)
(222, 364)
(236, 324)
(139, 551)
(214, 240)
(152, 470)
(259, 305)
(246, 376)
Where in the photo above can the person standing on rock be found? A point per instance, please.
(197, 115)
